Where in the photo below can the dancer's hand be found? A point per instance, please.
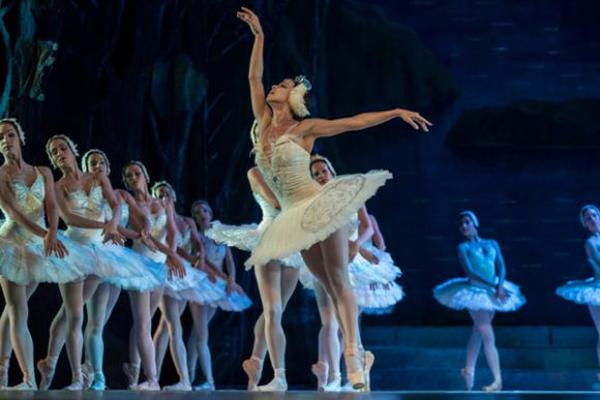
(414, 119)
(501, 294)
(146, 239)
(369, 256)
(53, 246)
(248, 16)
(233, 287)
(175, 266)
(111, 234)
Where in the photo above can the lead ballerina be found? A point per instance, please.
(312, 216)
(483, 292)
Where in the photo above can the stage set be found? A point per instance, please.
(299, 199)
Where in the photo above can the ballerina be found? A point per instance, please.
(373, 283)
(483, 292)
(588, 291)
(32, 251)
(219, 257)
(276, 280)
(312, 216)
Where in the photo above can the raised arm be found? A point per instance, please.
(255, 72)
(468, 267)
(111, 231)
(316, 127)
(259, 186)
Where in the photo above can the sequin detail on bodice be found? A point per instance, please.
(482, 258)
(30, 201)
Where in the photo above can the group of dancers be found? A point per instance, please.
(315, 229)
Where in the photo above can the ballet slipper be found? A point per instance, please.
(253, 368)
(469, 377)
(321, 371)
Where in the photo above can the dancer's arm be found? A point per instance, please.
(139, 218)
(259, 186)
(365, 231)
(69, 216)
(316, 127)
(378, 239)
(471, 272)
(51, 244)
(500, 271)
(173, 260)
(255, 72)
(592, 255)
(110, 230)
(230, 267)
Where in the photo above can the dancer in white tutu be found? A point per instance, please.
(312, 216)
(373, 283)
(483, 292)
(587, 292)
(218, 257)
(276, 280)
(159, 220)
(31, 251)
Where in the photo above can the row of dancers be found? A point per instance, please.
(171, 264)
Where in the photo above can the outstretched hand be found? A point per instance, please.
(414, 119)
(248, 16)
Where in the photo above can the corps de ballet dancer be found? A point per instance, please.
(373, 283)
(32, 252)
(277, 280)
(312, 216)
(587, 292)
(483, 292)
(218, 257)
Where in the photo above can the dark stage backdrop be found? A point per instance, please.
(513, 88)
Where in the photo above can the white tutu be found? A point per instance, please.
(234, 301)
(23, 258)
(581, 292)
(379, 298)
(25, 262)
(309, 212)
(462, 293)
(245, 237)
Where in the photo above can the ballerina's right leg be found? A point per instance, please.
(142, 339)
(5, 343)
(18, 312)
(161, 338)
(473, 349)
(595, 313)
(58, 334)
(483, 322)
(327, 368)
(253, 365)
(172, 310)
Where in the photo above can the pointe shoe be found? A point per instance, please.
(99, 384)
(469, 377)
(87, 373)
(204, 387)
(46, 369)
(495, 386)
(3, 374)
(74, 387)
(355, 362)
(369, 361)
(334, 385)
(253, 368)
(148, 386)
(321, 371)
(24, 386)
(132, 373)
(178, 387)
(278, 384)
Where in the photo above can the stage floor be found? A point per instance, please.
(296, 395)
